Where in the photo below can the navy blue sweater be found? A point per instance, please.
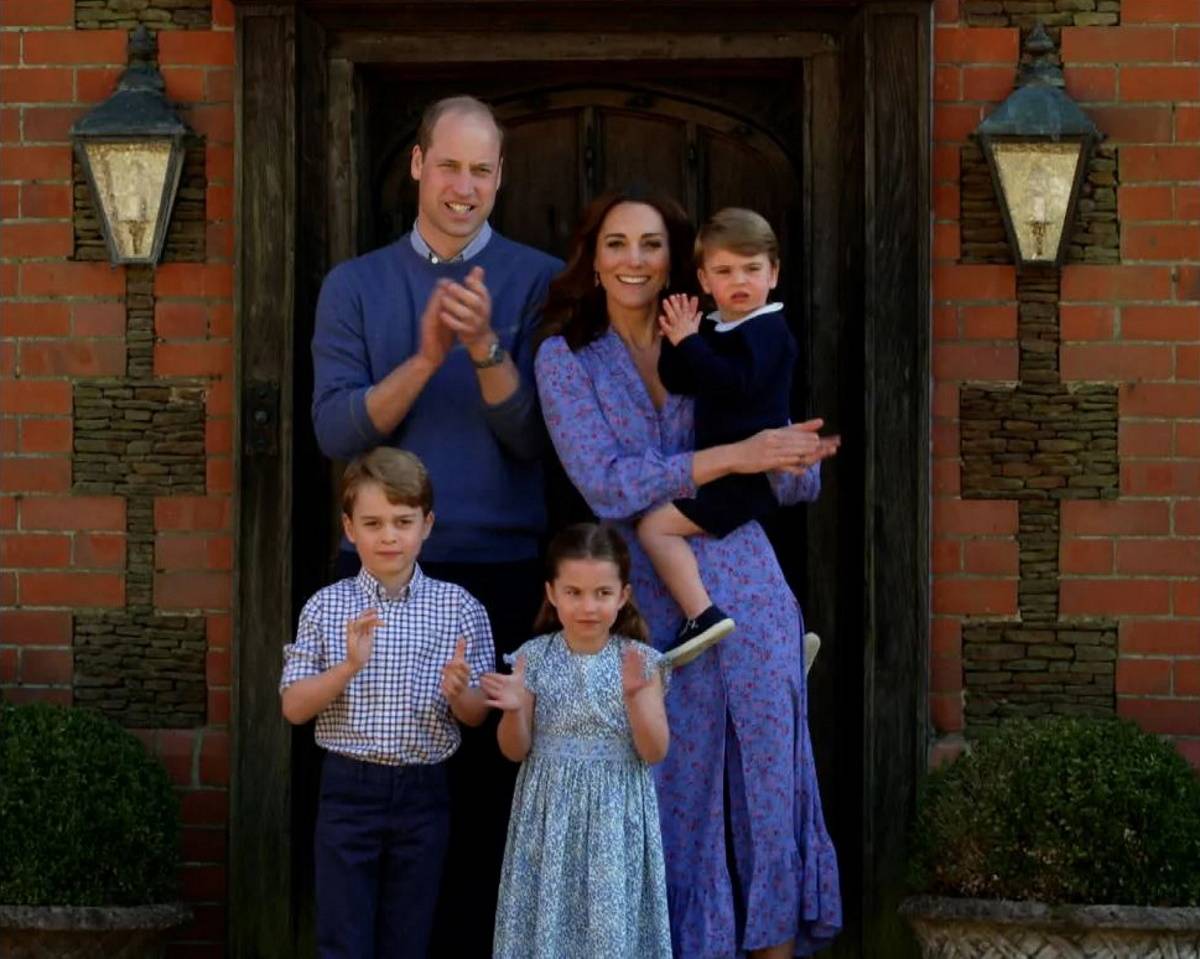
(484, 461)
(741, 377)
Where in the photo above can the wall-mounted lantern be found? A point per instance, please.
(131, 147)
(1037, 144)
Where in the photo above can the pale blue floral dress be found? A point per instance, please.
(583, 873)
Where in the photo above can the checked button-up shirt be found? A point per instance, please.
(393, 710)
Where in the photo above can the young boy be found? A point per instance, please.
(386, 661)
(739, 368)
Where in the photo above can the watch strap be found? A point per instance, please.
(495, 356)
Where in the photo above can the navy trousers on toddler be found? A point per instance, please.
(381, 840)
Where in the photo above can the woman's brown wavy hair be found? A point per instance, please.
(575, 304)
(591, 541)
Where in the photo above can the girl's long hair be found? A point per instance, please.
(575, 305)
(591, 541)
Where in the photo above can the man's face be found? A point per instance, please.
(457, 179)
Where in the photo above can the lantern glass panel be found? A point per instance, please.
(130, 180)
(1037, 179)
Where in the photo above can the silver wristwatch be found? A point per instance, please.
(495, 356)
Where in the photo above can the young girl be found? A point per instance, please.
(583, 713)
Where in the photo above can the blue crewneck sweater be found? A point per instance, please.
(484, 461)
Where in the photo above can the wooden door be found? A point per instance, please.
(820, 122)
(563, 147)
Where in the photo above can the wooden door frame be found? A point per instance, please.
(868, 253)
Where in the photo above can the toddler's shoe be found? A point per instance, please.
(697, 635)
(812, 646)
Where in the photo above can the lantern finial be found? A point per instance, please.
(1040, 65)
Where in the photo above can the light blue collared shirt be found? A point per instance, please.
(478, 242)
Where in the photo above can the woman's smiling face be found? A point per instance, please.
(633, 259)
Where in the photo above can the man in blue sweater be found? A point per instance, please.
(427, 345)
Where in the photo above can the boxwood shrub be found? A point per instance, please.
(1062, 811)
(87, 816)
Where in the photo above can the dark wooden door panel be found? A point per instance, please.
(543, 197)
(643, 148)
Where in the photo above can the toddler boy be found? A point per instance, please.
(738, 366)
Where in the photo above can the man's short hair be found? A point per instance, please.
(401, 474)
(740, 231)
(464, 104)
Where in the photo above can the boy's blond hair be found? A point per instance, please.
(401, 474)
(740, 231)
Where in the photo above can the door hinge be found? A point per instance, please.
(260, 418)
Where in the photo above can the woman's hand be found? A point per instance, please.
(792, 448)
(506, 692)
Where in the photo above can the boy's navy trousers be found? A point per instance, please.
(381, 840)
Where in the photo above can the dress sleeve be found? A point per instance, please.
(615, 483)
(797, 488)
(534, 651)
(656, 663)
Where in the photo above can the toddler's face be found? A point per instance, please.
(739, 284)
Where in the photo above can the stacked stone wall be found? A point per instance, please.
(1066, 430)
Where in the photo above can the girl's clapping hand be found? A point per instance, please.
(506, 692)
(633, 671)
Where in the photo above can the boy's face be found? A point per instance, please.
(387, 536)
(740, 284)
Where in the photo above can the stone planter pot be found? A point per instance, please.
(996, 929)
(88, 932)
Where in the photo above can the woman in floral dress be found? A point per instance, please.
(740, 764)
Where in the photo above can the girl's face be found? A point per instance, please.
(633, 260)
(587, 594)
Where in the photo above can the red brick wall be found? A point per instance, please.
(1135, 324)
(61, 320)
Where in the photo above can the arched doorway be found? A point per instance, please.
(820, 122)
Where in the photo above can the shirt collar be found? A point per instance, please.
(472, 249)
(724, 325)
(375, 592)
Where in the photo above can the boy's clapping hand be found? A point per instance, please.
(680, 317)
(456, 674)
(506, 692)
(360, 638)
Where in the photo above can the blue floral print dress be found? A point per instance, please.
(583, 874)
(749, 861)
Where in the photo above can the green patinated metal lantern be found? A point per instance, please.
(131, 147)
(1037, 144)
